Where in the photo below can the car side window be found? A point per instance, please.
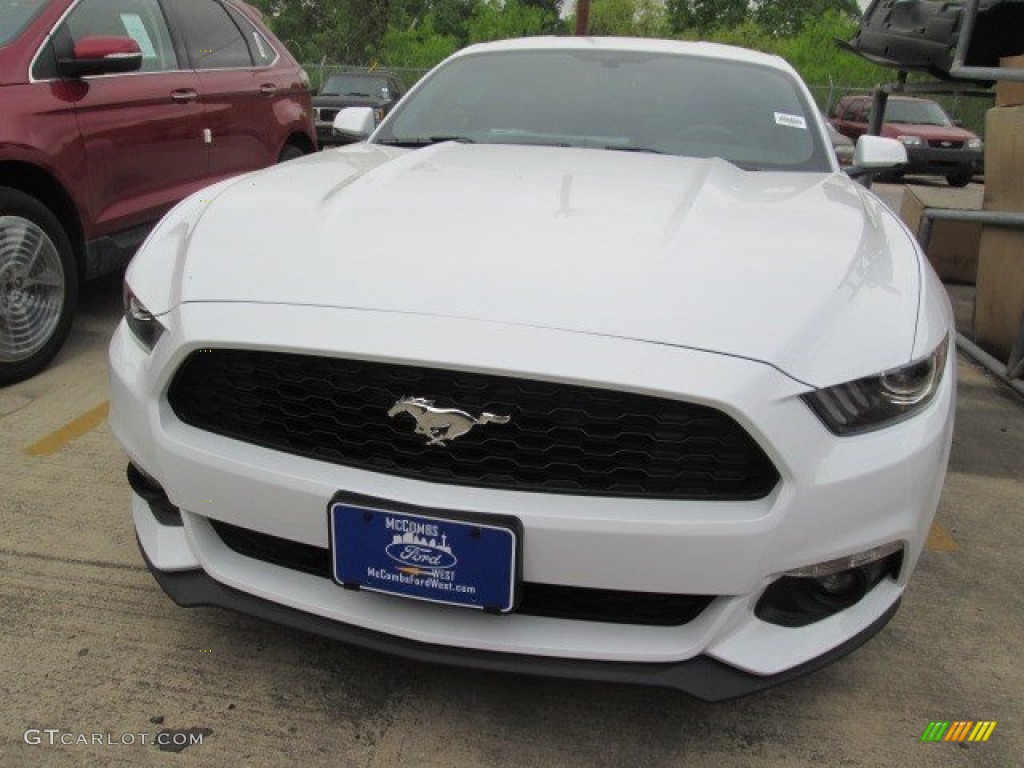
(214, 40)
(263, 53)
(141, 20)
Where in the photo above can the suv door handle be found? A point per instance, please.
(184, 95)
(268, 89)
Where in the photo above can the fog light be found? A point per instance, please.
(810, 594)
(841, 584)
(848, 562)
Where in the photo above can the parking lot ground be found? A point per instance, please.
(90, 645)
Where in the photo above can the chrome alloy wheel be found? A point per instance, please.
(32, 288)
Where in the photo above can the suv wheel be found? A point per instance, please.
(961, 178)
(38, 285)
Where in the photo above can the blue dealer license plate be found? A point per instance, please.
(440, 558)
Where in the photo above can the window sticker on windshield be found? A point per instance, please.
(137, 31)
(793, 121)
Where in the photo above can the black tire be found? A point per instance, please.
(961, 178)
(38, 286)
(290, 152)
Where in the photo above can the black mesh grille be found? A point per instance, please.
(945, 144)
(559, 439)
(552, 601)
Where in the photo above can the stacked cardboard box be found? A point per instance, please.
(999, 302)
(953, 246)
(1010, 94)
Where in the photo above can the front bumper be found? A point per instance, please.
(836, 496)
(941, 162)
(702, 676)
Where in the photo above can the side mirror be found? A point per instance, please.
(874, 153)
(98, 55)
(356, 122)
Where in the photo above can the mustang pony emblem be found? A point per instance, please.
(441, 424)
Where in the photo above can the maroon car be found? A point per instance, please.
(936, 146)
(113, 111)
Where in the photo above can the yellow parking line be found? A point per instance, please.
(54, 441)
(940, 539)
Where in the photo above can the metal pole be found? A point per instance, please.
(881, 98)
(582, 17)
(982, 357)
(1011, 372)
(878, 111)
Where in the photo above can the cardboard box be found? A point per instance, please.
(1004, 159)
(1010, 93)
(999, 302)
(953, 248)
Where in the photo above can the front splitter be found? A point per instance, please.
(701, 676)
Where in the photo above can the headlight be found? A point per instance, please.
(911, 141)
(975, 144)
(878, 401)
(140, 320)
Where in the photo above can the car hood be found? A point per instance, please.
(931, 132)
(806, 272)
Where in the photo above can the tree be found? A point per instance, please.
(702, 16)
(783, 18)
(350, 31)
(418, 46)
(501, 19)
(630, 18)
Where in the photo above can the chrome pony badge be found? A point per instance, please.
(439, 425)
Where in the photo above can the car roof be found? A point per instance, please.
(635, 44)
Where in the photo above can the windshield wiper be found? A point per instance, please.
(745, 166)
(412, 143)
(647, 150)
(357, 93)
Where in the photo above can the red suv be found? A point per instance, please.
(113, 111)
(935, 144)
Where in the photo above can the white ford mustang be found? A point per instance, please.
(588, 363)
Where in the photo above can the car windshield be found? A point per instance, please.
(915, 113)
(357, 85)
(15, 15)
(664, 103)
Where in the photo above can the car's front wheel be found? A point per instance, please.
(38, 285)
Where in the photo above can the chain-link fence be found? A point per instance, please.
(318, 73)
(969, 111)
